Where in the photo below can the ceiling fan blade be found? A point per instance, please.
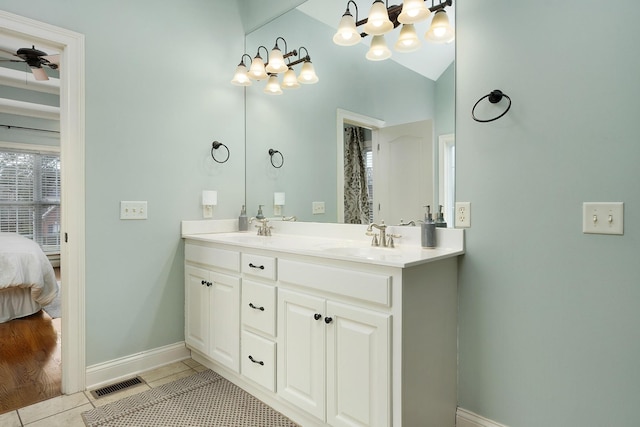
(39, 73)
(54, 59)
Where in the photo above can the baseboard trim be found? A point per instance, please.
(118, 369)
(466, 418)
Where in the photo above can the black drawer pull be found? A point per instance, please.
(256, 308)
(317, 316)
(328, 320)
(259, 362)
(261, 267)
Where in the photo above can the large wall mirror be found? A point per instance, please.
(407, 122)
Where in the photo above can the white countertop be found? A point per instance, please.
(333, 241)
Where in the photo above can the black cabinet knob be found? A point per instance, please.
(317, 316)
(328, 320)
(203, 282)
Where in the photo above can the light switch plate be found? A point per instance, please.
(133, 210)
(317, 208)
(463, 214)
(603, 218)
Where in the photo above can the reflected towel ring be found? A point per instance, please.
(271, 153)
(214, 146)
(494, 97)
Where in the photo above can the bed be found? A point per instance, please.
(27, 279)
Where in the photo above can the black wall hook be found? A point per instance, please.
(494, 97)
(214, 146)
(273, 152)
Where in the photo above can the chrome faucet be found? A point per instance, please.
(386, 240)
(263, 228)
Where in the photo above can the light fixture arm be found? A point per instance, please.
(302, 58)
(242, 59)
(266, 50)
(348, 12)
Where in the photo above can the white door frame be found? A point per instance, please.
(72, 134)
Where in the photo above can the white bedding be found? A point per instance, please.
(24, 265)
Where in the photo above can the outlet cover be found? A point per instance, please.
(463, 214)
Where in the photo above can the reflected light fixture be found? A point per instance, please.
(277, 63)
(383, 19)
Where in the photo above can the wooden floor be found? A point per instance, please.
(30, 361)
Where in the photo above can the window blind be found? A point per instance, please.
(30, 196)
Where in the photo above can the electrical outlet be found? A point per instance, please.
(317, 208)
(603, 218)
(463, 214)
(133, 210)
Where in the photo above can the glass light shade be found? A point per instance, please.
(257, 71)
(378, 22)
(307, 74)
(289, 80)
(273, 87)
(413, 11)
(240, 78)
(408, 40)
(378, 50)
(347, 35)
(276, 62)
(440, 30)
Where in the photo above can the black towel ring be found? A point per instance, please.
(214, 146)
(272, 152)
(494, 97)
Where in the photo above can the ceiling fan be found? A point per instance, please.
(35, 59)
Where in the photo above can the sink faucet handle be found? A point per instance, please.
(374, 241)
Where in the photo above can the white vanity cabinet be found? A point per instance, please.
(212, 304)
(329, 340)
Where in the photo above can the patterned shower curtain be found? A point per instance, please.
(356, 200)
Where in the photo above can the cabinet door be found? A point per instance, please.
(301, 351)
(358, 367)
(196, 331)
(224, 323)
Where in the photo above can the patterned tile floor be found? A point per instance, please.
(65, 411)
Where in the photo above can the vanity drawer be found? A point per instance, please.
(259, 306)
(351, 283)
(259, 266)
(214, 257)
(259, 360)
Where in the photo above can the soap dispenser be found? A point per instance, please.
(243, 221)
(440, 222)
(428, 229)
(260, 215)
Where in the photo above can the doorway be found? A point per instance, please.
(72, 251)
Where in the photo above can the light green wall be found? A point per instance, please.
(445, 95)
(157, 95)
(548, 315)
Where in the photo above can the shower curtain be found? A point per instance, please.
(356, 199)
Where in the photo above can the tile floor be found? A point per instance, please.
(65, 411)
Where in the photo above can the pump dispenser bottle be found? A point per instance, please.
(260, 215)
(243, 221)
(428, 228)
(440, 222)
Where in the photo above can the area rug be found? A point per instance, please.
(203, 399)
(53, 308)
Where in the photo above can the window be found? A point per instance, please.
(30, 196)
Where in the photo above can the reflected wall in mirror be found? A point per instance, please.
(307, 125)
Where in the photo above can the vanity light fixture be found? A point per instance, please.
(277, 63)
(383, 19)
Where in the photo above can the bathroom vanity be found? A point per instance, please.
(328, 330)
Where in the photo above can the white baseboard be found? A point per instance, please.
(466, 418)
(128, 366)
